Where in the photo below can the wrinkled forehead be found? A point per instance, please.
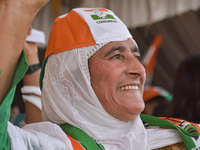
(113, 45)
(91, 50)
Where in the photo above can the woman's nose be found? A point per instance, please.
(134, 67)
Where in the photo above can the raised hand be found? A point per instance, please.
(16, 17)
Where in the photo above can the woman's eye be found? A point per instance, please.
(116, 56)
(137, 57)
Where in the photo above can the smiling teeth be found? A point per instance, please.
(129, 88)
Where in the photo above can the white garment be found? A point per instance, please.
(38, 136)
(49, 136)
(158, 137)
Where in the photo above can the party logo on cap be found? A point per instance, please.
(101, 16)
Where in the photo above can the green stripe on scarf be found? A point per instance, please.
(155, 121)
(82, 137)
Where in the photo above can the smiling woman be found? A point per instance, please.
(113, 68)
(86, 84)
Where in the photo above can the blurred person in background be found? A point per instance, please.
(186, 91)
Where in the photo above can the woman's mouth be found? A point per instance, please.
(129, 87)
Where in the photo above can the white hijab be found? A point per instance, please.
(67, 97)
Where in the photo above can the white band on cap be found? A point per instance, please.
(92, 49)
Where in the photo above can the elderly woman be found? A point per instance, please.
(95, 81)
(92, 87)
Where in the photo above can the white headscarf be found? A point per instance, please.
(68, 97)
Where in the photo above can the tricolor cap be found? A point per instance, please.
(83, 27)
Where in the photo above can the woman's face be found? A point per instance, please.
(118, 78)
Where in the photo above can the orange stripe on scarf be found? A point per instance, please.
(76, 145)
